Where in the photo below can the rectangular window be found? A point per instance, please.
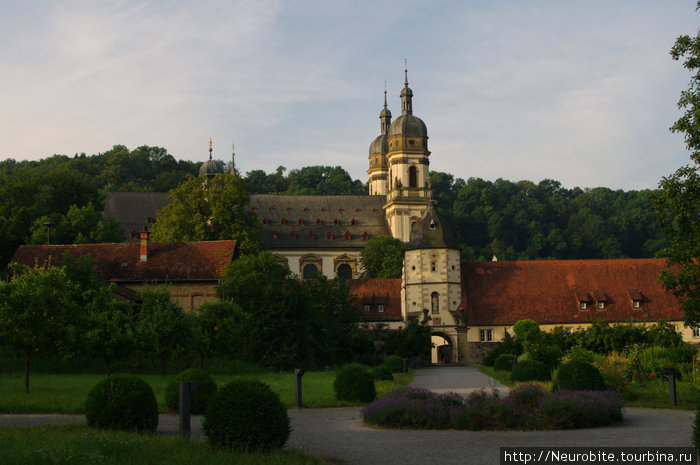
(432, 266)
(696, 331)
(380, 308)
(583, 305)
(601, 305)
(636, 304)
(365, 307)
(568, 329)
(485, 335)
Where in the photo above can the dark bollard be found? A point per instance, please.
(405, 365)
(671, 373)
(186, 390)
(298, 373)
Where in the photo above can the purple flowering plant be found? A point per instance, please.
(526, 407)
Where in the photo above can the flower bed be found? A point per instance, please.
(527, 407)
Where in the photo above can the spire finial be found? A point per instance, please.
(210, 148)
(405, 71)
(384, 94)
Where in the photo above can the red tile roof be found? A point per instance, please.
(167, 261)
(378, 291)
(550, 292)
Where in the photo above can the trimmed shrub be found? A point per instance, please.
(122, 402)
(394, 364)
(200, 397)
(578, 376)
(504, 362)
(530, 370)
(548, 354)
(580, 354)
(507, 346)
(354, 383)
(382, 373)
(247, 415)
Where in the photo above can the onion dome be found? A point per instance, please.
(380, 145)
(209, 168)
(407, 124)
(431, 231)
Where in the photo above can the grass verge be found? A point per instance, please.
(650, 395)
(66, 393)
(80, 445)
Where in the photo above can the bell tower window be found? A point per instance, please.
(412, 177)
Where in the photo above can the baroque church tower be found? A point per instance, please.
(431, 289)
(408, 190)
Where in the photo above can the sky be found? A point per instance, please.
(582, 92)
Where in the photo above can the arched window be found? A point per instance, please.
(412, 177)
(344, 271)
(310, 271)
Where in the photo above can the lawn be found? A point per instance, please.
(80, 445)
(66, 393)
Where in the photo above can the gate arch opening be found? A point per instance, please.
(441, 351)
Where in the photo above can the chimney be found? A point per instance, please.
(143, 249)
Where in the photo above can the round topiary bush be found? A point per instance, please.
(354, 383)
(504, 362)
(122, 402)
(394, 364)
(200, 397)
(578, 376)
(382, 373)
(530, 370)
(246, 414)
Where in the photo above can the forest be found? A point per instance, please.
(511, 220)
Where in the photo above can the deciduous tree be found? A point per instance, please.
(678, 205)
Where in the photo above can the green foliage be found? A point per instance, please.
(678, 204)
(246, 415)
(290, 323)
(413, 341)
(524, 221)
(314, 180)
(208, 210)
(37, 312)
(122, 402)
(530, 370)
(354, 383)
(527, 332)
(604, 338)
(504, 362)
(382, 257)
(80, 225)
(508, 345)
(162, 327)
(200, 397)
(578, 376)
(382, 373)
(548, 354)
(220, 329)
(108, 330)
(579, 354)
(394, 364)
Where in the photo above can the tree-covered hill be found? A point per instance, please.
(512, 220)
